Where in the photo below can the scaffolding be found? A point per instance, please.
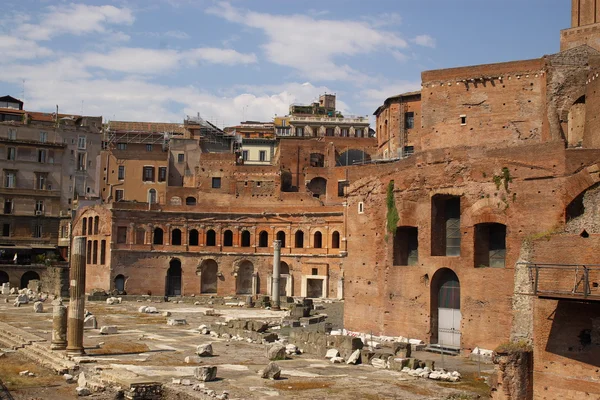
(212, 138)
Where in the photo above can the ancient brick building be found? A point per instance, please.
(184, 214)
(452, 245)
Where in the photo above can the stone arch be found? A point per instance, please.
(28, 276)
(263, 239)
(211, 237)
(190, 201)
(158, 236)
(335, 240)
(576, 123)
(318, 186)
(176, 237)
(245, 277)
(193, 237)
(4, 277)
(352, 156)
(445, 308)
(120, 283)
(174, 274)
(208, 276)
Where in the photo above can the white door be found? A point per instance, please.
(449, 327)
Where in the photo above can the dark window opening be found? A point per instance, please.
(318, 187)
(263, 239)
(490, 245)
(318, 240)
(5, 230)
(190, 201)
(95, 253)
(228, 238)
(281, 238)
(216, 183)
(406, 246)
(576, 208)
(193, 238)
(148, 174)
(162, 174)
(96, 225)
(315, 271)
(8, 206)
(246, 239)
(409, 120)
(299, 240)
(121, 234)
(103, 252)
(463, 119)
(445, 232)
(335, 240)
(158, 236)
(342, 185)
(176, 237)
(211, 238)
(84, 227)
(317, 160)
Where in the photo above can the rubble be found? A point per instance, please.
(271, 371)
(206, 373)
(108, 330)
(276, 352)
(204, 350)
(38, 307)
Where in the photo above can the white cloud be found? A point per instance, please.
(424, 40)
(75, 19)
(311, 46)
(155, 61)
(13, 48)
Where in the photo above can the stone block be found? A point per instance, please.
(204, 350)
(271, 371)
(332, 353)
(276, 352)
(38, 307)
(108, 330)
(90, 322)
(379, 363)
(366, 356)
(176, 321)
(354, 358)
(206, 373)
(401, 349)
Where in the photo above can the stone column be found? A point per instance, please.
(276, 274)
(59, 325)
(77, 300)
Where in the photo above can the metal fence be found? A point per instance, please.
(566, 280)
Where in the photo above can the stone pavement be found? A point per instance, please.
(145, 350)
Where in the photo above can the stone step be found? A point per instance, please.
(436, 348)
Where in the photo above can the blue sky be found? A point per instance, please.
(249, 59)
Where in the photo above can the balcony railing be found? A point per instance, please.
(566, 281)
(350, 120)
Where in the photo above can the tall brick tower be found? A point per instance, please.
(585, 25)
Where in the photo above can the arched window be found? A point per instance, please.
(263, 239)
(299, 240)
(245, 238)
(120, 283)
(211, 238)
(228, 238)
(84, 227)
(190, 201)
(152, 196)
(158, 236)
(193, 238)
(318, 240)
(281, 238)
(176, 237)
(90, 226)
(96, 224)
(335, 240)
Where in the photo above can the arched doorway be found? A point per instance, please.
(318, 240)
(211, 238)
(228, 238)
(245, 238)
(244, 278)
(174, 278)
(120, 283)
(193, 238)
(158, 236)
(445, 308)
(263, 239)
(208, 276)
(3, 277)
(28, 276)
(176, 237)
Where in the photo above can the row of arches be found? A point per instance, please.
(25, 278)
(247, 280)
(245, 239)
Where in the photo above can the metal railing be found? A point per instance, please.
(574, 281)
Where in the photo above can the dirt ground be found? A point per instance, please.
(145, 346)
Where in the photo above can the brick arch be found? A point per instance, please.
(579, 183)
(568, 101)
(485, 211)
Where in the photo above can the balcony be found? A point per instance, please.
(347, 120)
(564, 281)
(34, 143)
(29, 192)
